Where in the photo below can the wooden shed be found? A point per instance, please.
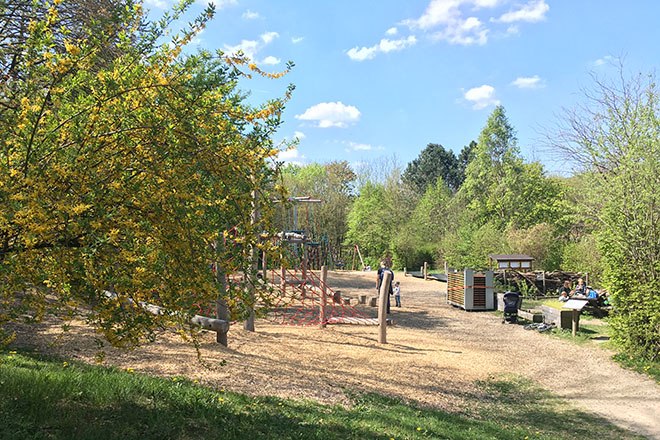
(517, 262)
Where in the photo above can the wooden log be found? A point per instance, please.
(356, 321)
(205, 322)
(214, 324)
(382, 306)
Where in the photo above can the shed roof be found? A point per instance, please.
(510, 257)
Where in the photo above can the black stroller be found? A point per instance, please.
(512, 302)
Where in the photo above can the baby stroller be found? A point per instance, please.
(512, 302)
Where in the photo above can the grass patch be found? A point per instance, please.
(54, 399)
(588, 333)
(529, 303)
(650, 368)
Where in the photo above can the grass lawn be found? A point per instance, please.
(58, 399)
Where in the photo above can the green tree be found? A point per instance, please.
(501, 187)
(493, 169)
(432, 163)
(122, 172)
(368, 225)
(417, 241)
(464, 158)
(540, 242)
(616, 136)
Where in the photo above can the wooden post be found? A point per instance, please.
(382, 307)
(405, 272)
(426, 270)
(544, 288)
(283, 280)
(304, 270)
(576, 315)
(324, 294)
(446, 268)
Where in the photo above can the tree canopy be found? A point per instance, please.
(615, 138)
(432, 163)
(122, 172)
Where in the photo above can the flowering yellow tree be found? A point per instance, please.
(121, 169)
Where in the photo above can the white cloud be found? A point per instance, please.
(292, 156)
(384, 46)
(250, 15)
(607, 59)
(296, 40)
(486, 3)
(299, 135)
(250, 48)
(268, 37)
(436, 13)
(354, 146)
(532, 12)
(363, 53)
(528, 82)
(456, 22)
(271, 60)
(391, 31)
(331, 114)
(464, 32)
(481, 97)
(455, 29)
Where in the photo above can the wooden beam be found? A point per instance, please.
(205, 322)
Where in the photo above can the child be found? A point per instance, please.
(397, 294)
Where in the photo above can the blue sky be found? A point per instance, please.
(383, 78)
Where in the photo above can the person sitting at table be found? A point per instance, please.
(591, 293)
(565, 291)
(580, 290)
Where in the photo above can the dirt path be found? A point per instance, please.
(434, 354)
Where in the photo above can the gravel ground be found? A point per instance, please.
(434, 355)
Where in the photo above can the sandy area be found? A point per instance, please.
(434, 354)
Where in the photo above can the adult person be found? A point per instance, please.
(565, 291)
(379, 280)
(580, 289)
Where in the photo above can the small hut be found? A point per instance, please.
(517, 262)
